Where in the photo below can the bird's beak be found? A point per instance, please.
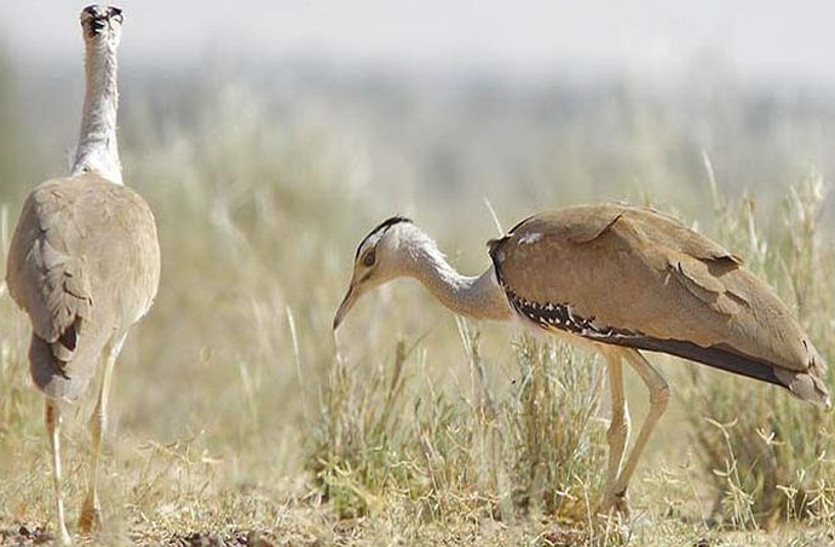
(347, 303)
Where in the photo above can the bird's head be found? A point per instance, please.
(102, 24)
(379, 259)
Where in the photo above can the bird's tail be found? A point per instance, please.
(807, 385)
(804, 384)
(49, 372)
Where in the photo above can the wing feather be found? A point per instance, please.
(631, 269)
(46, 280)
(84, 264)
(694, 275)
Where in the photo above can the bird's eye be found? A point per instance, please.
(368, 259)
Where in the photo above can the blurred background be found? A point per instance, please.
(530, 103)
(270, 136)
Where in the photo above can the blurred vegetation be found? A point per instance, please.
(766, 454)
(235, 407)
(10, 128)
(539, 448)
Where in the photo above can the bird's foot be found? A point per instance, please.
(612, 519)
(63, 538)
(614, 505)
(90, 519)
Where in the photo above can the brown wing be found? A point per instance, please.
(84, 264)
(632, 276)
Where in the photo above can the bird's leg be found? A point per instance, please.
(52, 419)
(659, 395)
(617, 435)
(90, 517)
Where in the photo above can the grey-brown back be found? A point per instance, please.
(634, 277)
(84, 263)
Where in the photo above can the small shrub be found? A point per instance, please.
(555, 440)
(768, 454)
(538, 448)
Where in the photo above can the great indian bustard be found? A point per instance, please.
(624, 278)
(84, 261)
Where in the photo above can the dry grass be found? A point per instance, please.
(537, 449)
(237, 415)
(768, 455)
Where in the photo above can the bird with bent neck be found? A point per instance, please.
(627, 279)
(398, 248)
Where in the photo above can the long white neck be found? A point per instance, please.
(98, 151)
(477, 297)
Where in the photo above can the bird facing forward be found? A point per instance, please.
(84, 262)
